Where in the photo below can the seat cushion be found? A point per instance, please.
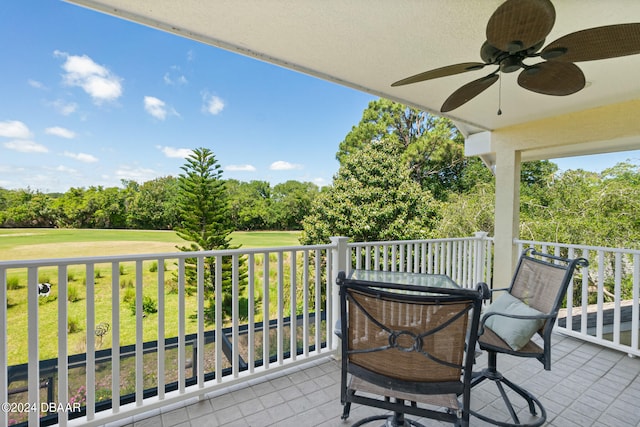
(515, 332)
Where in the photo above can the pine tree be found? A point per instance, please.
(204, 212)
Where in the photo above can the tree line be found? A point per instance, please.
(402, 175)
(153, 205)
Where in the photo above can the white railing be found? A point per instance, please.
(466, 260)
(155, 358)
(603, 300)
(286, 295)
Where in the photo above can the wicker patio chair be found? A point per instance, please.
(403, 350)
(526, 310)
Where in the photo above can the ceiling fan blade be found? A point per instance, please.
(449, 70)
(468, 92)
(595, 43)
(552, 78)
(519, 24)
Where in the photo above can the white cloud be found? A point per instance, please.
(14, 129)
(138, 174)
(25, 146)
(36, 84)
(175, 77)
(61, 132)
(65, 169)
(64, 108)
(212, 104)
(281, 165)
(240, 168)
(175, 153)
(81, 157)
(96, 80)
(155, 107)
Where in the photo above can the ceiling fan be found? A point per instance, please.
(515, 32)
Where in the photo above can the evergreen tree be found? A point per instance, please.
(204, 213)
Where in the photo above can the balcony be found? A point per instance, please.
(277, 366)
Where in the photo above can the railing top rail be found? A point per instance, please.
(401, 242)
(153, 256)
(577, 246)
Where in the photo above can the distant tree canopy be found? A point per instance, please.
(403, 174)
(152, 205)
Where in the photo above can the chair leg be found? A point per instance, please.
(491, 373)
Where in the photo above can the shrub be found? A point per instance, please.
(97, 273)
(129, 295)
(44, 278)
(73, 325)
(149, 306)
(126, 284)
(13, 283)
(71, 276)
(121, 269)
(154, 267)
(73, 294)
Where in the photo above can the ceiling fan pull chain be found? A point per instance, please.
(500, 97)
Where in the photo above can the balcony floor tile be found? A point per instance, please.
(587, 386)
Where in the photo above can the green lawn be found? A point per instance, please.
(56, 243)
(34, 243)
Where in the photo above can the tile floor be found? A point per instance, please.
(587, 386)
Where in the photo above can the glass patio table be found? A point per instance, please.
(439, 281)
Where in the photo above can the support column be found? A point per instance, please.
(339, 263)
(507, 215)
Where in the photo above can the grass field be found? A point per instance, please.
(19, 244)
(36, 243)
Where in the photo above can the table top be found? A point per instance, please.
(404, 278)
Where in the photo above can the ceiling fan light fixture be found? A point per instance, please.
(510, 64)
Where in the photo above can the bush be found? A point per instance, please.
(73, 325)
(13, 283)
(71, 276)
(129, 295)
(44, 278)
(121, 269)
(149, 306)
(126, 284)
(97, 273)
(73, 294)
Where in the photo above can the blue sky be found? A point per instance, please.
(88, 99)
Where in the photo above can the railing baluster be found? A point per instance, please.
(318, 300)
(115, 337)
(635, 292)
(91, 343)
(34, 351)
(599, 321)
(251, 330)
(4, 362)
(235, 314)
(617, 292)
(292, 306)
(280, 325)
(305, 303)
(181, 326)
(63, 351)
(265, 311)
(139, 335)
(218, 314)
(161, 332)
(200, 337)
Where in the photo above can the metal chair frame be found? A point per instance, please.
(549, 303)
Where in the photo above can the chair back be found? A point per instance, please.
(541, 281)
(409, 339)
